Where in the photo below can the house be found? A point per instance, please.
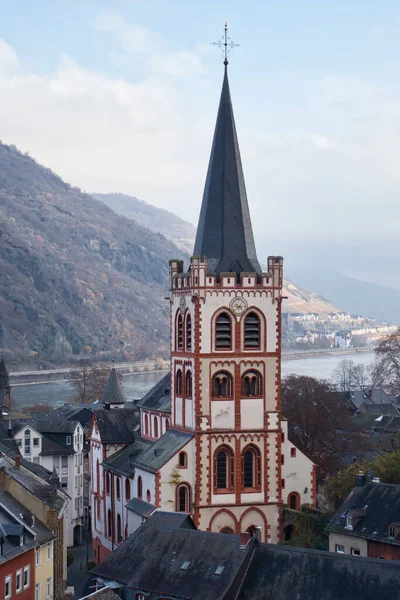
(174, 560)
(17, 557)
(57, 444)
(42, 572)
(105, 593)
(368, 521)
(210, 441)
(44, 506)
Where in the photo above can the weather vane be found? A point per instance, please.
(226, 44)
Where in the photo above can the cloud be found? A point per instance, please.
(131, 37)
(8, 58)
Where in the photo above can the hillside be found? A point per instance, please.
(353, 295)
(76, 279)
(158, 220)
(301, 301)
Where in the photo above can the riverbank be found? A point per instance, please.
(300, 354)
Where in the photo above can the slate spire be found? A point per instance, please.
(224, 234)
(113, 392)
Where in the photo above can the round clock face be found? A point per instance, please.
(238, 306)
(182, 304)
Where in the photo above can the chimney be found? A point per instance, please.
(244, 539)
(360, 479)
(18, 461)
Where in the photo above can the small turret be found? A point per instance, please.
(5, 388)
(113, 396)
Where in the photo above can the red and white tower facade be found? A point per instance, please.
(226, 354)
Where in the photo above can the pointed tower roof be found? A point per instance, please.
(4, 380)
(224, 234)
(113, 392)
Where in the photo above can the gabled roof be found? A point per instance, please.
(288, 573)
(117, 425)
(43, 534)
(11, 530)
(386, 424)
(379, 409)
(159, 397)
(36, 485)
(224, 233)
(178, 561)
(105, 593)
(154, 456)
(140, 507)
(113, 392)
(82, 414)
(380, 503)
(123, 461)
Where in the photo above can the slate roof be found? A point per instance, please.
(82, 414)
(154, 456)
(375, 396)
(140, 507)
(379, 409)
(55, 498)
(159, 568)
(387, 424)
(123, 461)
(43, 534)
(103, 594)
(10, 531)
(113, 392)
(224, 233)
(288, 573)
(381, 504)
(159, 397)
(255, 572)
(118, 425)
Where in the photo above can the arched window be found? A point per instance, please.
(252, 331)
(98, 476)
(251, 467)
(179, 332)
(109, 523)
(294, 501)
(98, 508)
(126, 531)
(146, 424)
(139, 487)
(251, 384)
(107, 482)
(223, 468)
(166, 424)
(223, 332)
(228, 530)
(222, 385)
(188, 390)
(155, 422)
(178, 383)
(183, 498)
(182, 460)
(148, 496)
(119, 529)
(188, 333)
(127, 489)
(118, 488)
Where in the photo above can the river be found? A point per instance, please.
(136, 385)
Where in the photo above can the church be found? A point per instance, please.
(210, 439)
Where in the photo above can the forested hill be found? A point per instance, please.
(162, 221)
(76, 279)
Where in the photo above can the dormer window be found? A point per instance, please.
(392, 531)
(349, 522)
(68, 440)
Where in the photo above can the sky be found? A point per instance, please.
(122, 96)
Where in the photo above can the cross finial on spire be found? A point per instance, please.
(226, 44)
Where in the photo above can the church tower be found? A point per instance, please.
(5, 388)
(225, 319)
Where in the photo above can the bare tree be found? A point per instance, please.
(348, 376)
(89, 381)
(387, 364)
(318, 425)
